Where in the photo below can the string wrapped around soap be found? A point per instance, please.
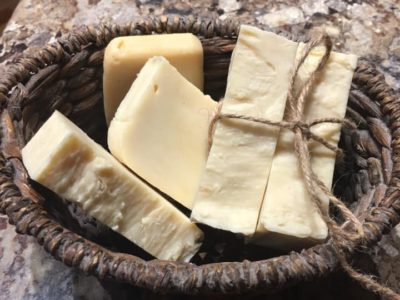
(341, 237)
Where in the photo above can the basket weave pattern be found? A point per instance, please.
(67, 76)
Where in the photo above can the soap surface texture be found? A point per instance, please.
(232, 187)
(288, 218)
(160, 130)
(125, 56)
(64, 159)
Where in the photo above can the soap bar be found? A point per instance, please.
(125, 56)
(233, 183)
(64, 159)
(160, 130)
(288, 218)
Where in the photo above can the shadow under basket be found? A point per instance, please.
(67, 76)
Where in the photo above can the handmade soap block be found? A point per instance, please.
(288, 218)
(233, 183)
(125, 56)
(63, 158)
(160, 130)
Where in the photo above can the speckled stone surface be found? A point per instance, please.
(368, 28)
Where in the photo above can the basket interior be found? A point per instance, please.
(74, 87)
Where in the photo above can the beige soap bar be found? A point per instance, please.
(232, 186)
(288, 218)
(63, 158)
(125, 56)
(160, 130)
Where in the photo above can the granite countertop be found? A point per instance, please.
(368, 28)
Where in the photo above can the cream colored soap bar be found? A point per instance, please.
(125, 56)
(288, 214)
(160, 130)
(63, 158)
(233, 184)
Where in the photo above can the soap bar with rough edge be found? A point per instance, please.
(124, 57)
(288, 218)
(160, 130)
(64, 159)
(233, 184)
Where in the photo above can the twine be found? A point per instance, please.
(340, 238)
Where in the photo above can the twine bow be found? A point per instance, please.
(341, 237)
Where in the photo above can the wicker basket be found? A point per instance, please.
(67, 76)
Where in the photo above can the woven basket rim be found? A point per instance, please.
(23, 206)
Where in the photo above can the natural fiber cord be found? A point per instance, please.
(67, 76)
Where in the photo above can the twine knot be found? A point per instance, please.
(303, 127)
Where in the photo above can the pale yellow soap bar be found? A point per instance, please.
(232, 187)
(160, 130)
(288, 218)
(125, 56)
(64, 159)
